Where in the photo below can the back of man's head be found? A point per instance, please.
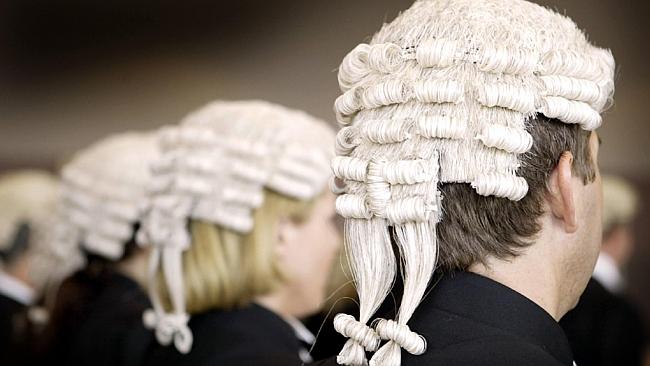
(501, 94)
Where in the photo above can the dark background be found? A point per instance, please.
(73, 71)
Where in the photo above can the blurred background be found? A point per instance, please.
(72, 71)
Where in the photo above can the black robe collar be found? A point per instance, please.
(486, 301)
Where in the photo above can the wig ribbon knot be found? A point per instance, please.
(170, 327)
(401, 334)
(349, 327)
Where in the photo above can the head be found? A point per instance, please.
(104, 191)
(620, 207)
(27, 201)
(249, 177)
(307, 252)
(284, 261)
(467, 137)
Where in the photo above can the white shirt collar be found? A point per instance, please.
(608, 274)
(16, 289)
(304, 335)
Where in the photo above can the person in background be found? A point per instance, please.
(605, 328)
(243, 233)
(96, 319)
(28, 264)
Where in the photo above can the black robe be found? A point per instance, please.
(104, 327)
(15, 332)
(471, 320)
(605, 329)
(252, 335)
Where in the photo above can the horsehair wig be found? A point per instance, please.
(104, 190)
(30, 198)
(214, 167)
(444, 94)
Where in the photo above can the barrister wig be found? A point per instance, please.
(445, 94)
(215, 166)
(104, 193)
(28, 204)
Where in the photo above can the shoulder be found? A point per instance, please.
(249, 336)
(595, 295)
(256, 359)
(252, 322)
(243, 338)
(9, 305)
(486, 351)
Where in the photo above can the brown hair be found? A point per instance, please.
(474, 227)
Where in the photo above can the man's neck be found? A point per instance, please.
(531, 275)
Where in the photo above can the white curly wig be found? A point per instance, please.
(444, 94)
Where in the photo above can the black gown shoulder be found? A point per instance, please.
(15, 332)
(97, 323)
(113, 333)
(469, 320)
(252, 335)
(605, 329)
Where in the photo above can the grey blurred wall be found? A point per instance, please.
(76, 70)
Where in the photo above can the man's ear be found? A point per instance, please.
(560, 196)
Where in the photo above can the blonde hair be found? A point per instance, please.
(224, 269)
